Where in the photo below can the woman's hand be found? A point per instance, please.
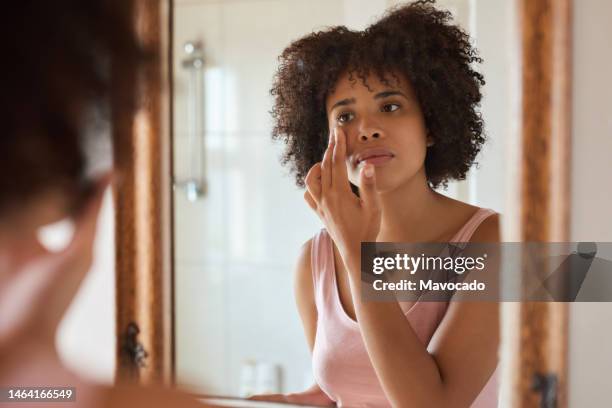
(312, 396)
(349, 219)
(269, 398)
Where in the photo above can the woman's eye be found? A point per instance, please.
(344, 117)
(390, 107)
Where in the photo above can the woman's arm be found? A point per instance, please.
(303, 288)
(304, 295)
(462, 354)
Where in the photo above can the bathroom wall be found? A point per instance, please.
(590, 360)
(236, 246)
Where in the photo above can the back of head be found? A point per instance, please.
(60, 60)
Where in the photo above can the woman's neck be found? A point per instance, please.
(409, 212)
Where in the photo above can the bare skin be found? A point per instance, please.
(36, 288)
(397, 205)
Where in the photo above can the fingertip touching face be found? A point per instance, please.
(383, 124)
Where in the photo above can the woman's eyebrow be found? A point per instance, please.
(385, 94)
(380, 95)
(342, 102)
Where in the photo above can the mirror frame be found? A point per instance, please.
(534, 345)
(143, 206)
(534, 335)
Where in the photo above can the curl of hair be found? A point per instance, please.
(417, 41)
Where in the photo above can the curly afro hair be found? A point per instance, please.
(417, 41)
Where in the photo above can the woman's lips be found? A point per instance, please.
(377, 156)
(376, 160)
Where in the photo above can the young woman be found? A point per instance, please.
(374, 121)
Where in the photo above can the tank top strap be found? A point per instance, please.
(468, 229)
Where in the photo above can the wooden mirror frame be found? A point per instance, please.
(534, 335)
(143, 207)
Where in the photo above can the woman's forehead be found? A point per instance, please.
(350, 84)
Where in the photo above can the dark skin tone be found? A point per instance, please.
(395, 205)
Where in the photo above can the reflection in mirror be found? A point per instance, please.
(240, 219)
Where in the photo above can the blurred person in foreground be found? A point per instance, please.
(56, 86)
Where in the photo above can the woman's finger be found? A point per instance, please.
(311, 202)
(340, 176)
(326, 166)
(313, 182)
(367, 190)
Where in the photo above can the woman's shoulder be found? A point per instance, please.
(481, 224)
(316, 255)
(489, 228)
(310, 254)
(485, 223)
(304, 259)
(303, 279)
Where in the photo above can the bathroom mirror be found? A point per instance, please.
(239, 219)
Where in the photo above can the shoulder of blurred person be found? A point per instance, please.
(31, 366)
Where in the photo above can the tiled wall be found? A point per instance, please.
(235, 248)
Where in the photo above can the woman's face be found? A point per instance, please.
(383, 125)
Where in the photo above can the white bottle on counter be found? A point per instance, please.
(268, 378)
(248, 378)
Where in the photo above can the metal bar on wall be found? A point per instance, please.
(143, 204)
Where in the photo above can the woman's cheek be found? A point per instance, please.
(350, 131)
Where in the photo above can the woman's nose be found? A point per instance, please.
(364, 136)
(368, 132)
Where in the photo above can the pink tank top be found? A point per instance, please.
(340, 361)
